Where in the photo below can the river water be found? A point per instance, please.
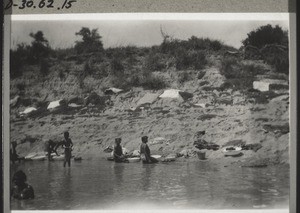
(101, 184)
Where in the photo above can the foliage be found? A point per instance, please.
(153, 82)
(17, 60)
(116, 67)
(238, 75)
(39, 49)
(266, 35)
(154, 62)
(91, 41)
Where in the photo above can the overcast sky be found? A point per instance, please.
(61, 34)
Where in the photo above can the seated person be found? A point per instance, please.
(145, 152)
(20, 189)
(13, 153)
(118, 152)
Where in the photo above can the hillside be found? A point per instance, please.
(221, 101)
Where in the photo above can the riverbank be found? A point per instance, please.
(174, 123)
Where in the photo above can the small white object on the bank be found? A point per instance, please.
(54, 104)
(73, 105)
(171, 93)
(28, 110)
(112, 90)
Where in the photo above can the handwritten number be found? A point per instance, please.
(29, 3)
(50, 4)
(68, 3)
(23, 4)
(9, 4)
(42, 4)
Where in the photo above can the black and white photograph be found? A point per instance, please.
(141, 111)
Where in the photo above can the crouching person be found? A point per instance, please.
(118, 151)
(20, 189)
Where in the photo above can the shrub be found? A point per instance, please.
(266, 35)
(215, 45)
(229, 68)
(153, 62)
(153, 82)
(116, 67)
(198, 60)
(185, 59)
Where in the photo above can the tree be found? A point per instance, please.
(91, 41)
(266, 35)
(40, 48)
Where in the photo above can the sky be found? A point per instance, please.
(122, 32)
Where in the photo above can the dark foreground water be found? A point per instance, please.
(101, 184)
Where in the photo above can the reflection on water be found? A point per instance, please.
(100, 184)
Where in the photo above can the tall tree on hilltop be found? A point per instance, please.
(39, 47)
(91, 41)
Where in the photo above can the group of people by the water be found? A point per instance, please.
(50, 147)
(20, 189)
(145, 154)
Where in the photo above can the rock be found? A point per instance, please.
(13, 102)
(28, 111)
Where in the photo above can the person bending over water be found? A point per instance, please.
(20, 189)
(67, 145)
(145, 152)
(51, 147)
(118, 152)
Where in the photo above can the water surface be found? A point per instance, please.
(101, 184)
